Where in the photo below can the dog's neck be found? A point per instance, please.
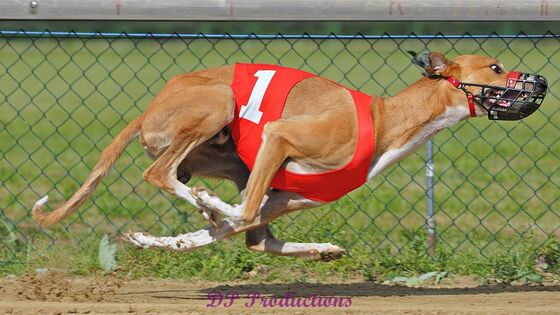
(407, 120)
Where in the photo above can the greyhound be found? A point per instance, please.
(291, 140)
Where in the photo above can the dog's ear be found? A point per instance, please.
(434, 63)
(438, 64)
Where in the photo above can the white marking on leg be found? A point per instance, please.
(311, 251)
(307, 247)
(216, 204)
(184, 192)
(183, 242)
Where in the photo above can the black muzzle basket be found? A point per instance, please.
(522, 96)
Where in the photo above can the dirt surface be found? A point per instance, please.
(57, 294)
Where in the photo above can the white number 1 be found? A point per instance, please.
(251, 111)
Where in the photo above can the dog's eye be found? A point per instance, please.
(496, 68)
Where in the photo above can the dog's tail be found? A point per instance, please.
(108, 157)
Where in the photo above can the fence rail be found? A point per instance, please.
(294, 10)
(65, 95)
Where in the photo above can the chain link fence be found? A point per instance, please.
(65, 95)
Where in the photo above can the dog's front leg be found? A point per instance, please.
(273, 152)
(261, 239)
(277, 203)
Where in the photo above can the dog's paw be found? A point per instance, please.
(333, 252)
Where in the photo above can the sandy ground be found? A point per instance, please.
(56, 294)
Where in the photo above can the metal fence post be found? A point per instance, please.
(430, 220)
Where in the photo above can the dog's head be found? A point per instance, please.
(485, 86)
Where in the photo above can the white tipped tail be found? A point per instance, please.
(108, 157)
(41, 202)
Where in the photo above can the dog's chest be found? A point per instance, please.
(451, 116)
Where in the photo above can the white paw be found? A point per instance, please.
(184, 192)
(331, 252)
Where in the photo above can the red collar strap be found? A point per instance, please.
(470, 97)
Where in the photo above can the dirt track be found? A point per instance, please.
(59, 295)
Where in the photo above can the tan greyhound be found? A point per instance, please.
(187, 129)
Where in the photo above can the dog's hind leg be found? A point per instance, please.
(163, 172)
(176, 124)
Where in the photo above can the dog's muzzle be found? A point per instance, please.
(520, 97)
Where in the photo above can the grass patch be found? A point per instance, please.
(231, 261)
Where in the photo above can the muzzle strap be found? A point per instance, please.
(470, 101)
(470, 97)
(512, 79)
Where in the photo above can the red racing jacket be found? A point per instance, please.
(260, 92)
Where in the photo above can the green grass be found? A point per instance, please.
(63, 100)
(230, 260)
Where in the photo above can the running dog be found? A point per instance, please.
(291, 140)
